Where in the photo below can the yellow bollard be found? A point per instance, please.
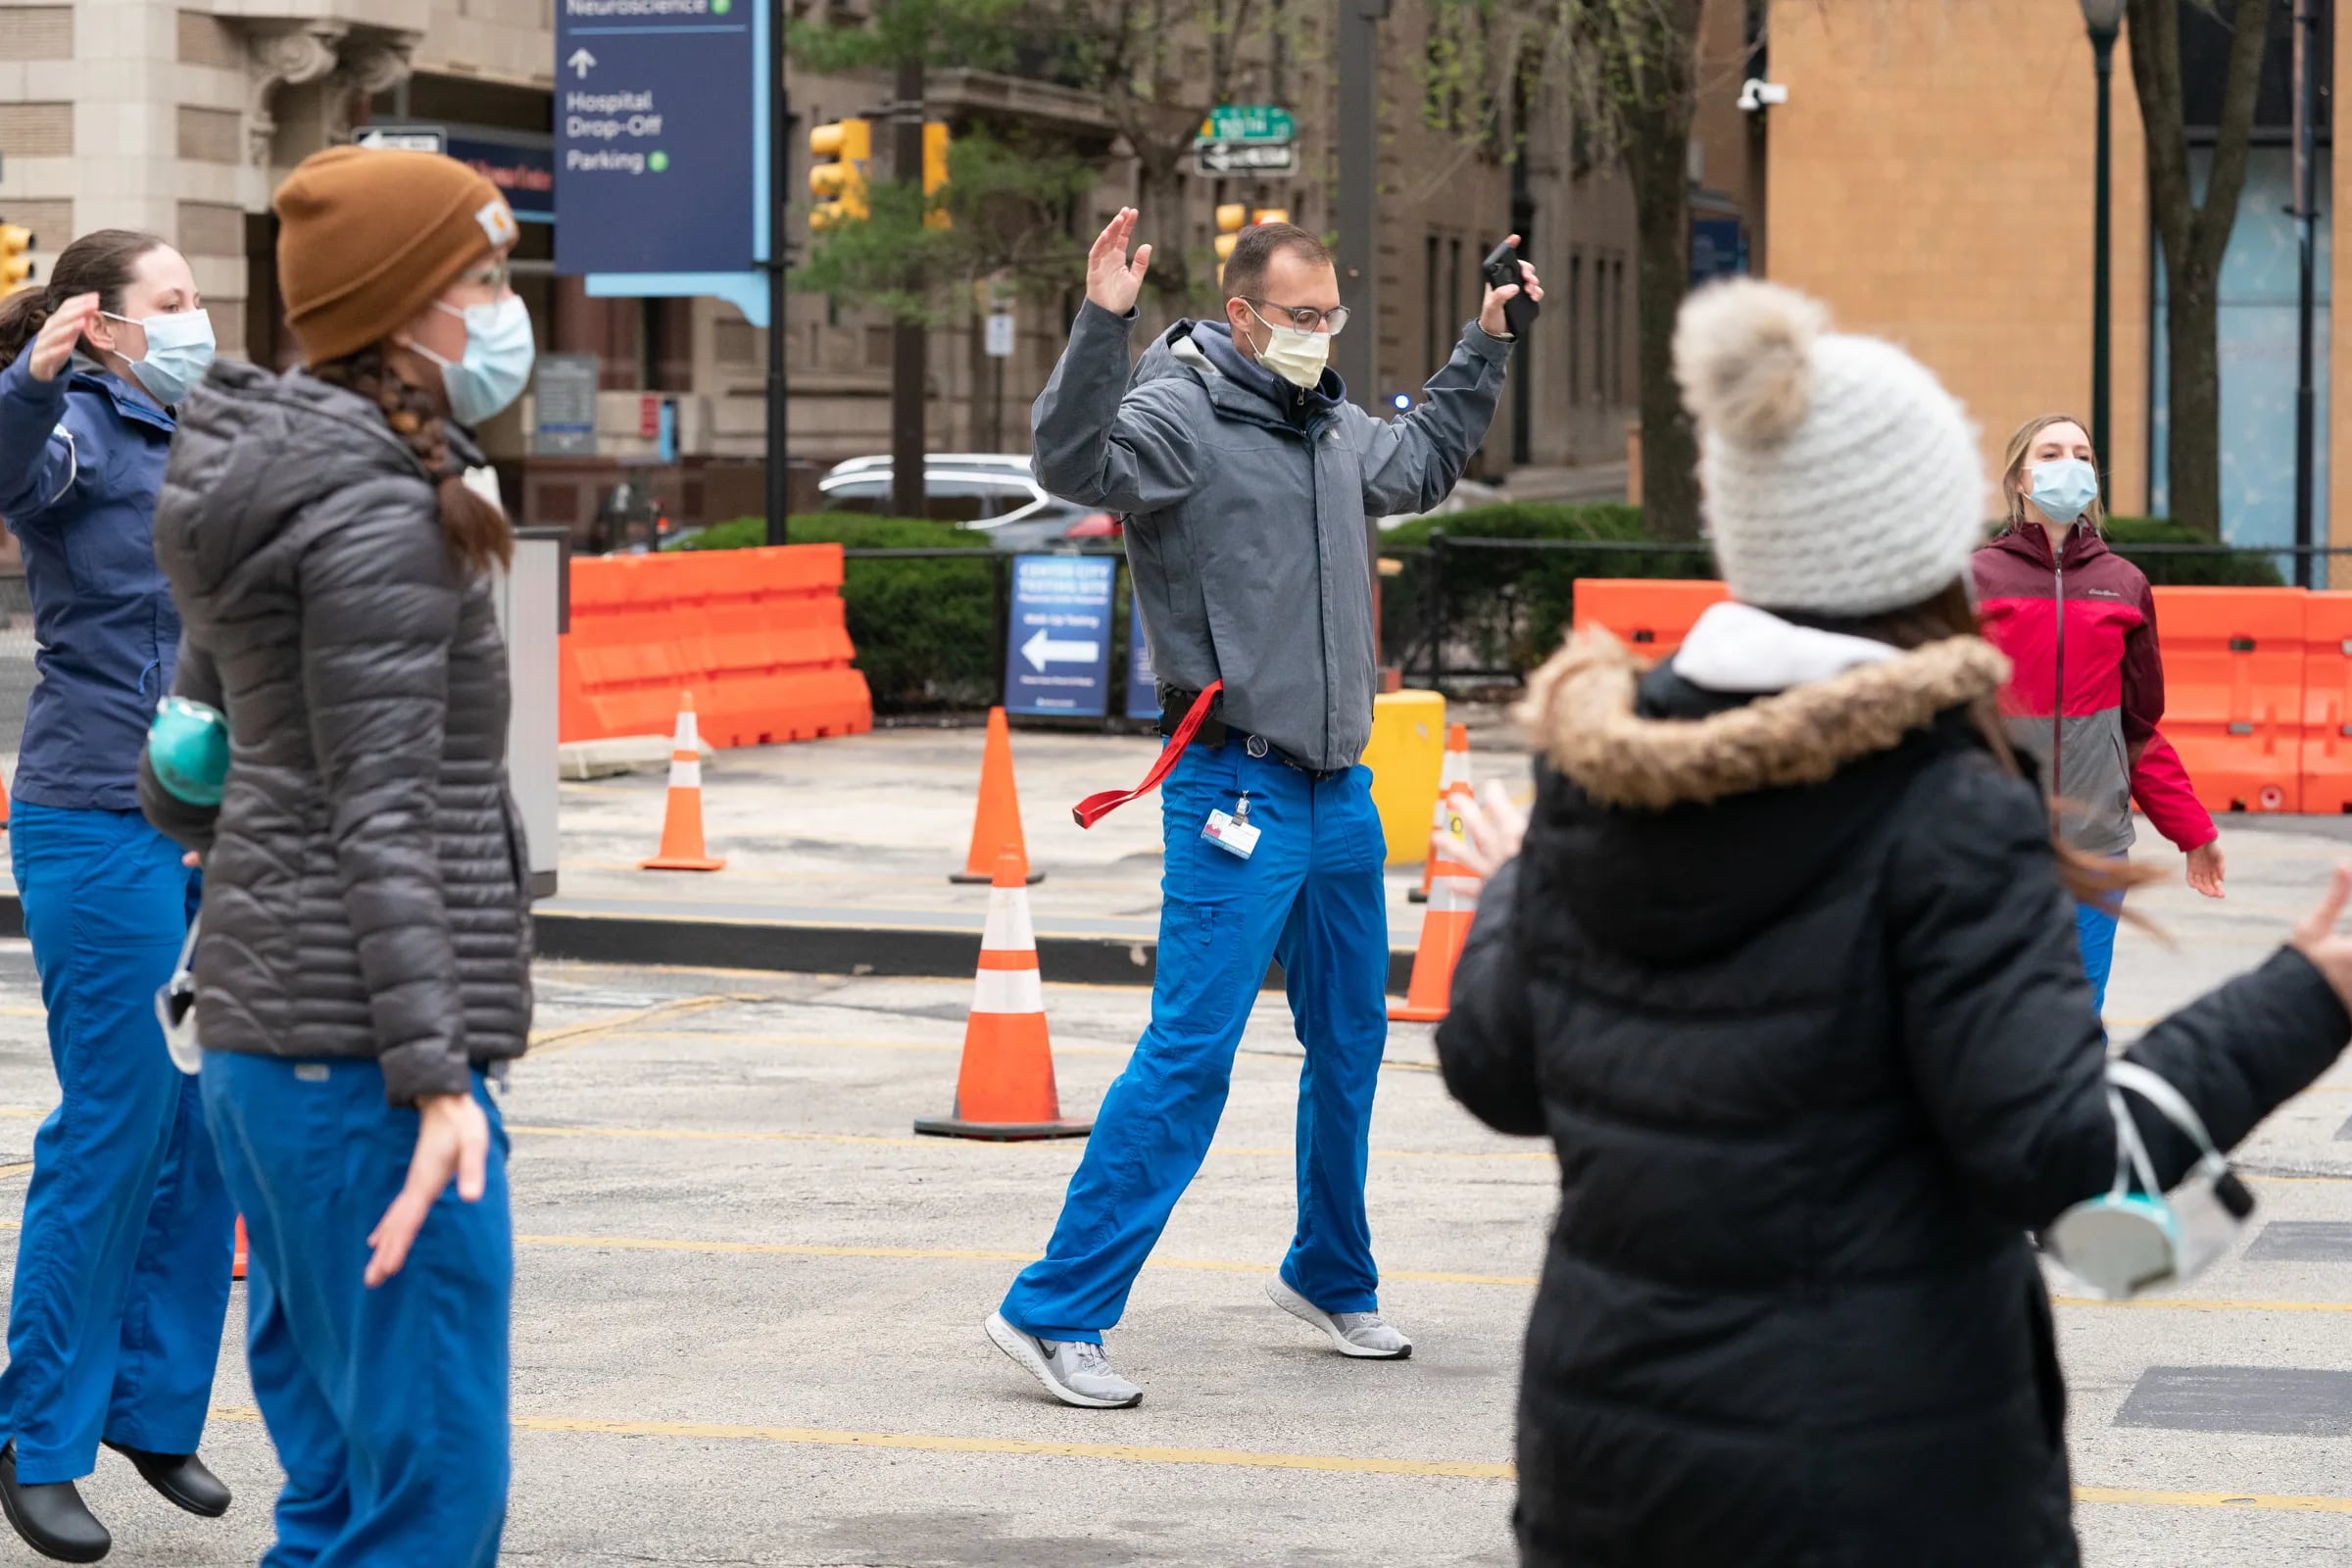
(1406, 756)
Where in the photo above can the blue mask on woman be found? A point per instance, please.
(500, 352)
(2064, 489)
(179, 349)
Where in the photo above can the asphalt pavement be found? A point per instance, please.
(749, 1305)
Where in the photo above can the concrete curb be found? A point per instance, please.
(895, 951)
(818, 949)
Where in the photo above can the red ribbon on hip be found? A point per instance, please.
(1095, 808)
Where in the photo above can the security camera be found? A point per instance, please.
(1757, 93)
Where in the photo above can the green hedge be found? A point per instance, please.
(925, 630)
(2238, 569)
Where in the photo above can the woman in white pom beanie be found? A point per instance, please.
(1786, 969)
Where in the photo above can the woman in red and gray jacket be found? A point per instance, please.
(2078, 622)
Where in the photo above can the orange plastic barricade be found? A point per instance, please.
(2234, 702)
(1651, 617)
(2327, 767)
(759, 636)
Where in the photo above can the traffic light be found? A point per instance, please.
(16, 257)
(845, 149)
(1269, 215)
(1232, 218)
(935, 174)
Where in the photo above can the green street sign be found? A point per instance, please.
(1248, 122)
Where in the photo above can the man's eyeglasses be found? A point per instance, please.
(1305, 317)
(493, 276)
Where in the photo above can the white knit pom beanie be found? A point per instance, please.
(1840, 479)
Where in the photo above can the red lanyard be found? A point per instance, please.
(1095, 808)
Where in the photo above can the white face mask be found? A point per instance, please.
(1299, 358)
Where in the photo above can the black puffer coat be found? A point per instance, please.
(364, 877)
(1803, 1014)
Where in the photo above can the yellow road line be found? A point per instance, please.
(2138, 1498)
(1241, 1458)
(946, 1255)
(2168, 1303)
(8, 1172)
(675, 1036)
(697, 1135)
(918, 1442)
(555, 1042)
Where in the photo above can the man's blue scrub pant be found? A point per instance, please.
(388, 1406)
(1313, 896)
(122, 1281)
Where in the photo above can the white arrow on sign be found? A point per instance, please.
(1041, 650)
(582, 62)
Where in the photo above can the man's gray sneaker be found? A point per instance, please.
(1074, 1371)
(1358, 1334)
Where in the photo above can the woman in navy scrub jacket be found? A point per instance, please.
(122, 1267)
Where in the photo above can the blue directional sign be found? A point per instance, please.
(1058, 657)
(1142, 687)
(662, 147)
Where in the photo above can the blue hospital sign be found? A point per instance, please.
(1058, 659)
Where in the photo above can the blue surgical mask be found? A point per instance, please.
(2064, 489)
(179, 349)
(499, 353)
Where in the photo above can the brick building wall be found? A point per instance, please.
(1931, 178)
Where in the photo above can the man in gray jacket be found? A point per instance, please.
(1246, 478)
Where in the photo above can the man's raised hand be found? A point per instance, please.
(1111, 281)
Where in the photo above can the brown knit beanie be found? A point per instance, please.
(367, 237)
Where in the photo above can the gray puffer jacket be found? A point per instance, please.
(365, 872)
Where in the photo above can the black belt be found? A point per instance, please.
(1214, 732)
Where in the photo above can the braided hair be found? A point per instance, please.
(99, 263)
(477, 533)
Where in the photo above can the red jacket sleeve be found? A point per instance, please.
(2159, 781)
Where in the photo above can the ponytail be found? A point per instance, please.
(23, 314)
(476, 532)
(99, 263)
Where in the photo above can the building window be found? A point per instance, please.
(1429, 305)
(1575, 336)
(1453, 285)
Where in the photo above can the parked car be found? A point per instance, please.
(988, 492)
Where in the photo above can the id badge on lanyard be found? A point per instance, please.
(1232, 831)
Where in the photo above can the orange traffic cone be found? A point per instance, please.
(996, 825)
(1004, 1092)
(1445, 931)
(682, 824)
(1446, 816)
(236, 1269)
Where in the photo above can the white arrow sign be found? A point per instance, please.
(582, 62)
(1041, 650)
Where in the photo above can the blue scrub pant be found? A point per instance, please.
(121, 1280)
(1313, 896)
(388, 1406)
(2094, 928)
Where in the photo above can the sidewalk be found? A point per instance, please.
(860, 835)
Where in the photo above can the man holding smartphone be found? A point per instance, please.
(1247, 478)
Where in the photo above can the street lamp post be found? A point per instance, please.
(2104, 18)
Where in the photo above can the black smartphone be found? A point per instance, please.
(1503, 269)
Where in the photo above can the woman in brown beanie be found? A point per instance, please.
(364, 957)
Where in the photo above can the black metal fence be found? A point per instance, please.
(1462, 611)
(932, 631)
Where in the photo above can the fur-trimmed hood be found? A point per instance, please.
(1674, 821)
(1581, 711)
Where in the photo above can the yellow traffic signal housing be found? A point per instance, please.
(1270, 215)
(1232, 218)
(16, 257)
(839, 185)
(936, 141)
